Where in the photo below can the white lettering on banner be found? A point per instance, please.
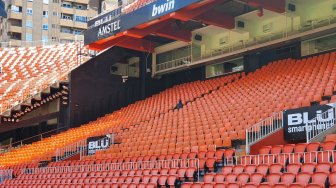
(160, 9)
(297, 122)
(294, 119)
(109, 28)
(108, 17)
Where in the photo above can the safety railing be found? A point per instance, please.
(141, 165)
(102, 146)
(320, 124)
(39, 137)
(255, 41)
(283, 158)
(263, 129)
(70, 150)
(6, 175)
(81, 148)
(174, 63)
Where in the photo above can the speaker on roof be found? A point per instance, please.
(198, 37)
(291, 7)
(240, 24)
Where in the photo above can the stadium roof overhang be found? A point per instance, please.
(132, 30)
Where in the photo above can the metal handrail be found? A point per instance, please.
(142, 165)
(79, 147)
(22, 142)
(257, 40)
(286, 158)
(320, 124)
(174, 63)
(6, 175)
(262, 129)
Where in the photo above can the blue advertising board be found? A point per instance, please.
(114, 22)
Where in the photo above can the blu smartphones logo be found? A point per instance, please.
(163, 8)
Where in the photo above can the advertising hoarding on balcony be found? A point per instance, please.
(115, 22)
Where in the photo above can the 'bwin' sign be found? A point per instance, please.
(163, 8)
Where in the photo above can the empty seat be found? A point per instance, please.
(322, 167)
(273, 179)
(262, 169)
(320, 179)
(276, 168)
(303, 178)
(287, 178)
(243, 178)
(293, 168)
(329, 145)
(313, 146)
(308, 167)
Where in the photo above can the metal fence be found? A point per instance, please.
(70, 150)
(143, 165)
(283, 158)
(80, 147)
(263, 129)
(174, 63)
(6, 175)
(30, 140)
(320, 124)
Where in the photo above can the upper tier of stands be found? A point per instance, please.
(25, 71)
(219, 111)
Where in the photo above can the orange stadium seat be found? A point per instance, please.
(150, 130)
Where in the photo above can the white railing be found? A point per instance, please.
(85, 150)
(283, 158)
(6, 175)
(143, 165)
(257, 40)
(320, 124)
(174, 63)
(262, 129)
(70, 150)
(81, 148)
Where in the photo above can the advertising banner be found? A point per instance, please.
(95, 144)
(295, 120)
(114, 22)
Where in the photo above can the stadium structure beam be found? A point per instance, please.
(137, 44)
(191, 12)
(141, 33)
(106, 43)
(275, 6)
(175, 33)
(217, 18)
